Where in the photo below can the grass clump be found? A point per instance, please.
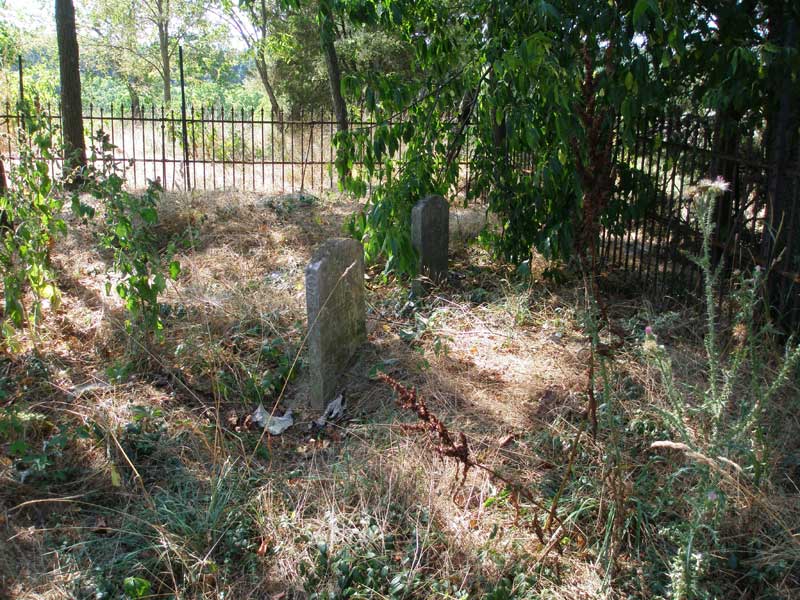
(188, 538)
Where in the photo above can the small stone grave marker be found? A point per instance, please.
(336, 314)
(430, 233)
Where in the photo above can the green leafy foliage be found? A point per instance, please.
(258, 372)
(33, 211)
(373, 562)
(32, 207)
(136, 587)
(542, 89)
(36, 445)
(9, 42)
(140, 265)
(143, 434)
(211, 519)
(363, 568)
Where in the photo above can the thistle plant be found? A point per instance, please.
(723, 436)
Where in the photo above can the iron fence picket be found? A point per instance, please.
(656, 230)
(227, 147)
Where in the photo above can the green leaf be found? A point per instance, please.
(547, 9)
(122, 230)
(174, 269)
(47, 291)
(150, 215)
(641, 9)
(18, 448)
(136, 587)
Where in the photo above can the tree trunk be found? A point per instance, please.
(332, 63)
(135, 101)
(263, 73)
(778, 246)
(163, 45)
(594, 162)
(71, 108)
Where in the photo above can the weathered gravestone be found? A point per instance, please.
(430, 231)
(336, 314)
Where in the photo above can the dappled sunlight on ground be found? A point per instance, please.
(172, 482)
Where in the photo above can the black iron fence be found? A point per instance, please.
(651, 238)
(213, 148)
(656, 233)
(225, 147)
(204, 148)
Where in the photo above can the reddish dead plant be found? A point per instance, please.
(408, 399)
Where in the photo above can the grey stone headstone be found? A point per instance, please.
(430, 231)
(336, 314)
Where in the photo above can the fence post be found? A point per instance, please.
(21, 86)
(183, 124)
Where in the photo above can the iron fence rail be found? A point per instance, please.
(225, 148)
(651, 237)
(655, 235)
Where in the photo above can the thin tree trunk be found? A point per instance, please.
(263, 73)
(163, 44)
(135, 101)
(5, 221)
(71, 107)
(332, 63)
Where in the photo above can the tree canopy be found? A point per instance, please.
(542, 87)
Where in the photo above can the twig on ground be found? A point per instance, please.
(410, 400)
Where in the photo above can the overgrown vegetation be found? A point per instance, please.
(32, 220)
(546, 431)
(553, 94)
(674, 513)
(140, 265)
(152, 480)
(721, 433)
(32, 209)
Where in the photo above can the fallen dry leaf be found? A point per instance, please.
(506, 440)
(100, 525)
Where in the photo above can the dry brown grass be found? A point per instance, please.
(502, 362)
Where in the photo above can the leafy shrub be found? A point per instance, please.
(129, 230)
(32, 206)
